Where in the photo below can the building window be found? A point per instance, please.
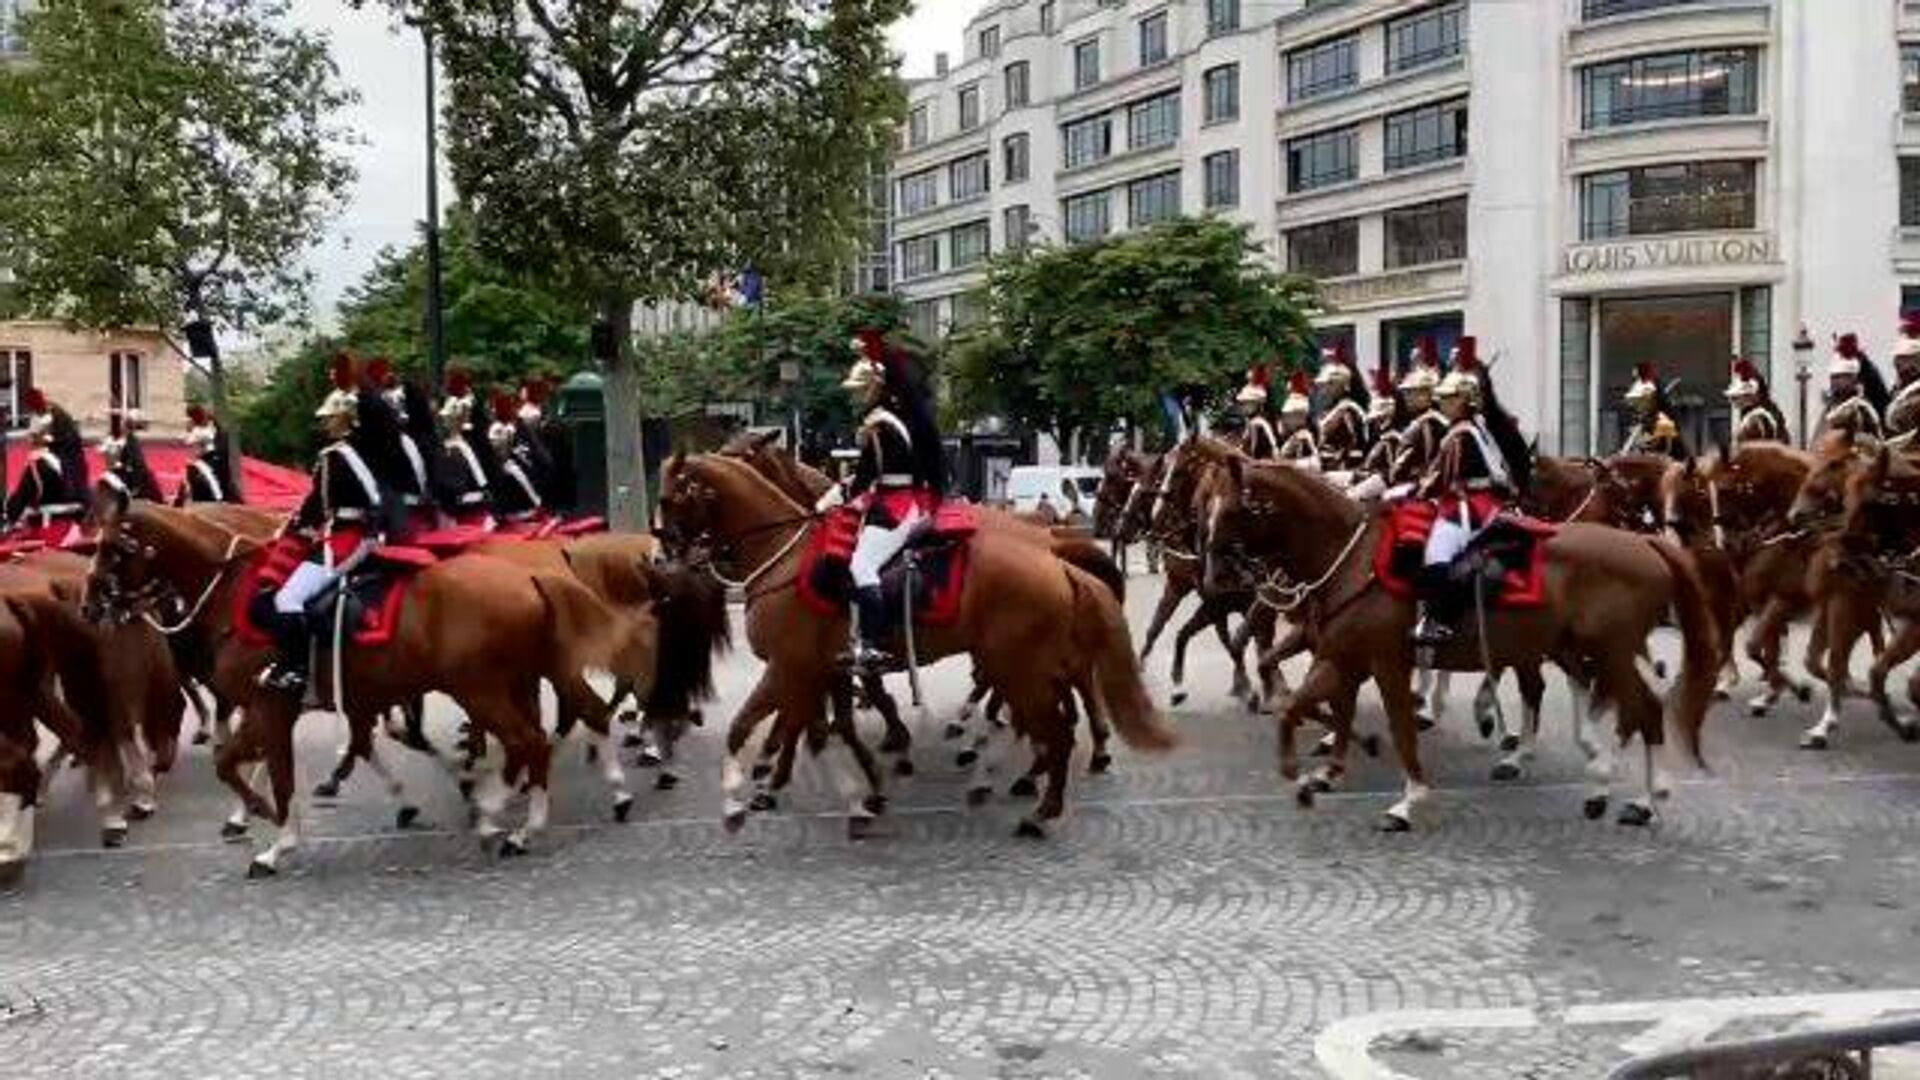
(1153, 122)
(1087, 141)
(1318, 160)
(1222, 85)
(1910, 78)
(1429, 133)
(16, 378)
(919, 257)
(1429, 233)
(990, 42)
(1322, 69)
(1014, 161)
(1603, 9)
(969, 107)
(1046, 17)
(1668, 199)
(923, 318)
(1153, 39)
(126, 381)
(967, 178)
(1425, 36)
(971, 243)
(1719, 82)
(1016, 222)
(1086, 64)
(1019, 76)
(1331, 249)
(920, 191)
(1156, 198)
(969, 310)
(1223, 16)
(1910, 193)
(1222, 176)
(917, 126)
(1086, 217)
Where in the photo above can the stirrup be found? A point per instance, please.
(284, 678)
(1431, 631)
(872, 661)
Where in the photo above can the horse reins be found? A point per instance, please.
(804, 522)
(206, 594)
(1296, 595)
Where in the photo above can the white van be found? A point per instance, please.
(1068, 488)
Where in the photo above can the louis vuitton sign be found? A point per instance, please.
(1745, 249)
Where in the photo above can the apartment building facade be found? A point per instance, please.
(1583, 184)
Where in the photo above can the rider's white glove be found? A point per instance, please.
(833, 497)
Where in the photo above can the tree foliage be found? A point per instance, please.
(1079, 338)
(633, 150)
(162, 160)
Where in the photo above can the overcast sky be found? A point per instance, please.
(387, 69)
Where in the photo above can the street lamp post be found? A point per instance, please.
(1802, 372)
(436, 304)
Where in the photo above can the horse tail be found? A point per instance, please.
(694, 628)
(1087, 554)
(1100, 635)
(584, 632)
(1700, 634)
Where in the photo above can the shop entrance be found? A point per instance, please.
(1688, 338)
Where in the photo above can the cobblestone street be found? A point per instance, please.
(1188, 921)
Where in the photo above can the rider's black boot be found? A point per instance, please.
(288, 672)
(1434, 626)
(870, 627)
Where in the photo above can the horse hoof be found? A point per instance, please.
(1029, 829)
(1024, 788)
(763, 802)
(734, 821)
(406, 817)
(966, 757)
(138, 812)
(903, 767)
(1391, 822)
(1909, 731)
(1100, 763)
(859, 828)
(953, 731)
(895, 744)
(1812, 741)
(1758, 708)
(761, 771)
(1635, 815)
(1423, 722)
(1721, 693)
(1804, 693)
(1253, 704)
(11, 872)
(1371, 745)
(593, 755)
(231, 831)
(259, 871)
(1509, 743)
(632, 740)
(623, 808)
(978, 796)
(512, 849)
(1595, 807)
(466, 790)
(326, 789)
(1304, 795)
(874, 804)
(113, 836)
(649, 758)
(1506, 771)
(201, 738)
(1321, 748)
(666, 781)
(1179, 698)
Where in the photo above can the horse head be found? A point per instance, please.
(1173, 516)
(715, 509)
(1228, 521)
(1822, 495)
(1267, 516)
(1883, 501)
(122, 562)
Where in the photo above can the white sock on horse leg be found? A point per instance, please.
(539, 806)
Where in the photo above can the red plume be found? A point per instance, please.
(459, 383)
(1429, 353)
(1910, 324)
(504, 407)
(380, 373)
(1743, 368)
(34, 400)
(873, 344)
(1644, 372)
(1468, 359)
(536, 390)
(1383, 381)
(1849, 346)
(1300, 384)
(1259, 375)
(341, 371)
(198, 416)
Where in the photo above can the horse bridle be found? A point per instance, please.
(701, 550)
(121, 605)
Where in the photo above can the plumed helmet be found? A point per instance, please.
(1463, 380)
(202, 434)
(505, 412)
(457, 409)
(1334, 372)
(1645, 387)
(1299, 400)
(39, 414)
(1846, 357)
(534, 393)
(1256, 388)
(1381, 406)
(1908, 347)
(1745, 381)
(1423, 368)
(869, 365)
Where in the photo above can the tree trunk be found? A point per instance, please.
(627, 502)
(222, 410)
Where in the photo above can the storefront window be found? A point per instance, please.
(1686, 197)
(1399, 336)
(1688, 339)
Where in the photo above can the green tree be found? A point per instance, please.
(1079, 338)
(632, 150)
(168, 160)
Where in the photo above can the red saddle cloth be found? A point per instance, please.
(1403, 542)
(11, 548)
(825, 584)
(448, 542)
(381, 596)
(59, 535)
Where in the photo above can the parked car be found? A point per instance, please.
(1068, 489)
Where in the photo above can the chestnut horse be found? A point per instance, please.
(1606, 592)
(1622, 491)
(1882, 532)
(1034, 625)
(482, 631)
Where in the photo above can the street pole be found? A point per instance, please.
(436, 305)
(1802, 372)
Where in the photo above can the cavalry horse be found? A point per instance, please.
(1034, 624)
(480, 630)
(1623, 491)
(1605, 592)
(1881, 533)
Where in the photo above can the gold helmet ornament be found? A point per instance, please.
(1745, 384)
(1423, 368)
(1462, 382)
(1381, 406)
(1334, 375)
(869, 371)
(1845, 362)
(343, 403)
(1258, 384)
(1645, 389)
(1299, 400)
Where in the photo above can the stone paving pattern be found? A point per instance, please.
(1188, 921)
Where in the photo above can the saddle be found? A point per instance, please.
(935, 561)
(375, 594)
(1507, 558)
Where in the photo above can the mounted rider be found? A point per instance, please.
(1420, 438)
(345, 516)
(1479, 472)
(414, 435)
(1654, 431)
(49, 503)
(1856, 393)
(518, 488)
(896, 486)
(466, 456)
(124, 457)
(1755, 417)
(1386, 416)
(1343, 421)
(1258, 439)
(1299, 445)
(1903, 411)
(209, 476)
